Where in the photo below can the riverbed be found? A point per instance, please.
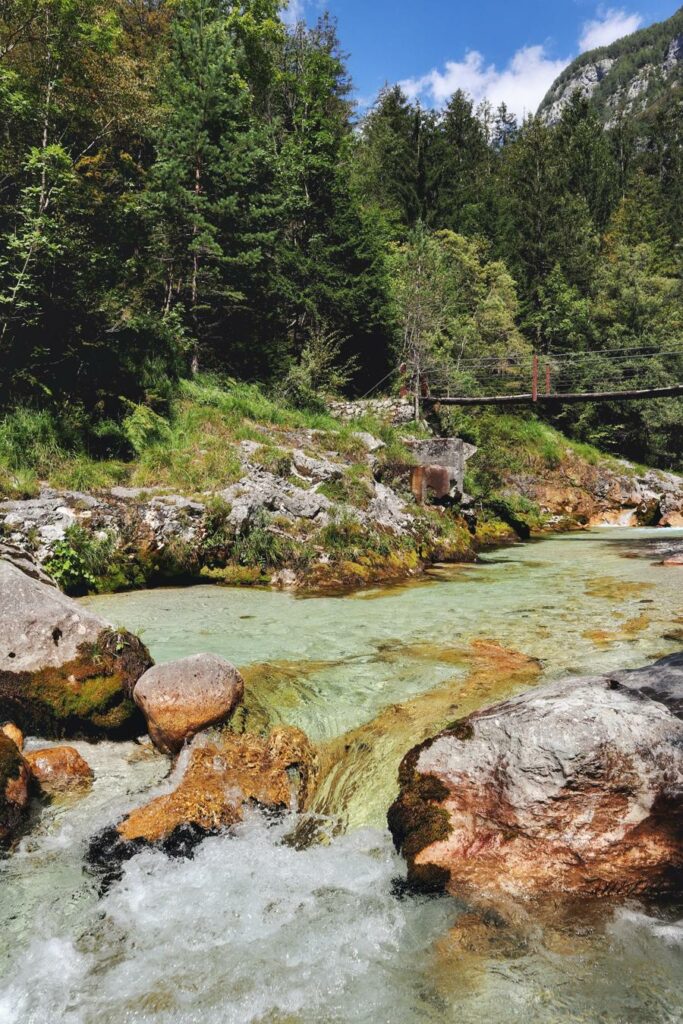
(261, 929)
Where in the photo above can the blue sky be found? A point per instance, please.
(503, 50)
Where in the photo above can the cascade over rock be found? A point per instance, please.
(216, 782)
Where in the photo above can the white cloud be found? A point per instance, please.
(522, 84)
(610, 24)
(293, 12)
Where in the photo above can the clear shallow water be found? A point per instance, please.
(253, 930)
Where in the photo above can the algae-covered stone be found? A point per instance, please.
(14, 788)
(64, 671)
(276, 773)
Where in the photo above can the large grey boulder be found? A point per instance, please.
(63, 670)
(183, 697)
(39, 625)
(573, 788)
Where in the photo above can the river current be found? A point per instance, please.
(257, 929)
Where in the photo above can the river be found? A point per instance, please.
(259, 930)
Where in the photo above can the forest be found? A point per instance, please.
(188, 187)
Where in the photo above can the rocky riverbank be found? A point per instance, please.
(314, 510)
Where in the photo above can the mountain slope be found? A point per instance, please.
(638, 75)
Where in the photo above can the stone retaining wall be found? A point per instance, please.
(395, 410)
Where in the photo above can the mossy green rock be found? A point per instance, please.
(64, 671)
(88, 696)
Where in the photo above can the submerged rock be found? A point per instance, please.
(64, 671)
(59, 769)
(276, 773)
(183, 697)
(572, 788)
(14, 789)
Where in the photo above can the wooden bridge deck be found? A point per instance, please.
(558, 398)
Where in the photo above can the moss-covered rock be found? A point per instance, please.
(89, 696)
(63, 670)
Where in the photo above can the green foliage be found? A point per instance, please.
(185, 189)
(71, 561)
(320, 371)
(353, 488)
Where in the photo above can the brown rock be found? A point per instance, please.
(219, 780)
(572, 788)
(183, 697)
(14, 733)
(674, 560)
(58, 769)
(14, 788)
(277, 772)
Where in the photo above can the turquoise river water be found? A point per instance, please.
(255, 930)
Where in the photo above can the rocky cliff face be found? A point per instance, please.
(629, 78)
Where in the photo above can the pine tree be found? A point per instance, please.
(200, 176)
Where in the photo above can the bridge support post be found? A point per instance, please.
(534, 379)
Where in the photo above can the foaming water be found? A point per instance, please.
(256, 931)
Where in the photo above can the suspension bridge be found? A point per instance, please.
(548, 379)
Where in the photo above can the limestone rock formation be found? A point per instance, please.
(262, 491)
(636, 78)
(318, 470)
(219, 780)
(14, 789)
(59, 769)
(183, 697)
(573, 788)
(600, 495)
(64, 671)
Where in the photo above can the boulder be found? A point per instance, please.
(318, 470)
(572, 788)
(14, 789)
(25, 561)
(369, 441)
(63, 670)
(59, 769)
(275, 773)
(183, 697)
